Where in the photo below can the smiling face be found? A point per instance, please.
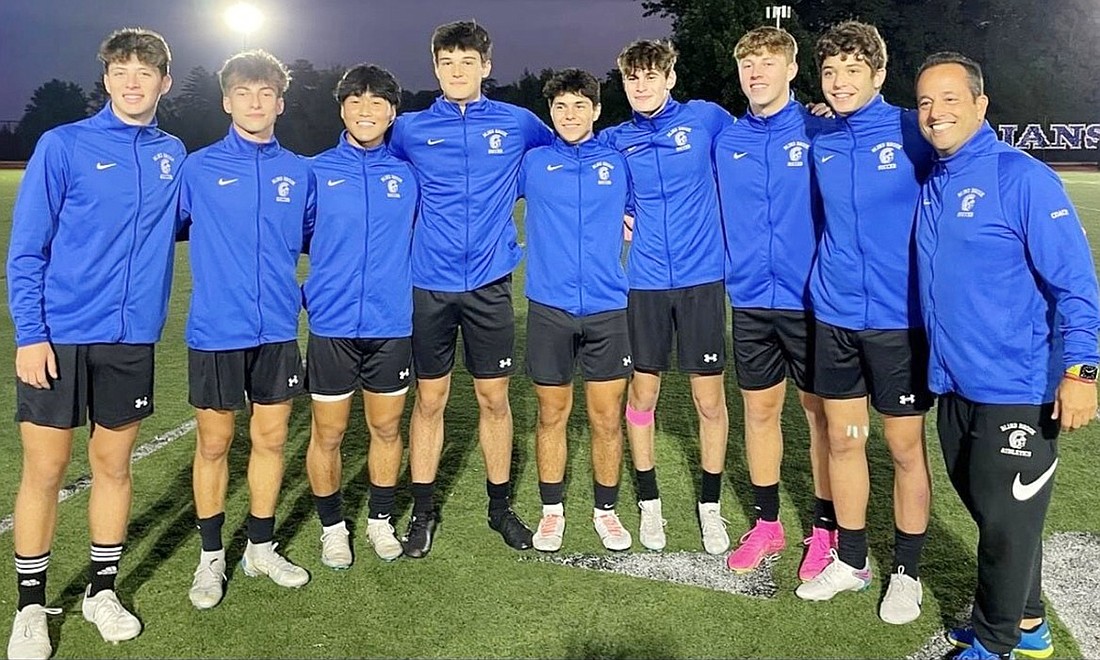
(366, 118)
(647, 90)
(460, 72)
(135, 89)
(766, 81)
(573, 116)
(849, 83)
(254, 106)
(950, 113)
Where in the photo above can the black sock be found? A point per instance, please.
(907, 550)
(423, 498)
(260, 530)
(551, 492)
(852, 546)
(824, 514)
(647, 484)
(605, 497)
(498, 497)
(330, 508)
(104, 567)
(380, 503)
(30, 579)
(711, 487)
(210, 531)
(766, 501)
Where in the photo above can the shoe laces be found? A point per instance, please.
(549, 524)
(833, 572)
(908, 587)
(612, 523)
(755, 538)
(712, 522)
(651, 519)
(379, 526)
(277, 561)
(819, 542)
(207, 568)
(23, 617)
(108, 604)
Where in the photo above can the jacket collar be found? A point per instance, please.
(791, 113)
(234, 143)
(869, 115)
(663, 118)
(442, 106)
(353, 151)
(978, 145)
(106, 119)
(587, 148)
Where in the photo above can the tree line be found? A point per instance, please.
(1037, 55)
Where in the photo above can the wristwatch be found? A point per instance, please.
(1085, 372)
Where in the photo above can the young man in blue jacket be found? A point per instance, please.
(89, 272)
(676, 271)
(359, 299)
(869, 343)
(577, 191)
(246, 202)
(466, 150)
(1001, 256)
(771, 217)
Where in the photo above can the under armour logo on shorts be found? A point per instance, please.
(403, 374)
(907, 398)
(626, 361)
(710, 357)
(505, 363)
(142, 402)
(292, 381)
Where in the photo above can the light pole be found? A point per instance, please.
(244, 18)
(778, 12)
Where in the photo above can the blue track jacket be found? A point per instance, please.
(92, 236)
(1007, 283)
(360, 275)
(869, 167)
(677, 225)
(576, 197)
(467, 163)
(770, 208)
(249, 207)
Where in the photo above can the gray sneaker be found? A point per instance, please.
(652, 530)
(208, 586)
(903, 598)
(381, 535)
(30, 637)
(261, 559)
(115, 622)
(336, 546)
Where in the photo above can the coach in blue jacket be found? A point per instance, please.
(1009, 297)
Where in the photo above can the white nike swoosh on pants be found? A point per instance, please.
(1023, 492)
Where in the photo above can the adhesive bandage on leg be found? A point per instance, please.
(639, 417)
(855, 431)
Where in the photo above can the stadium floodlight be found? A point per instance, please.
(244, 18)
(778, 12)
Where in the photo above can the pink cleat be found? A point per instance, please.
(763, 540)
(818, 545)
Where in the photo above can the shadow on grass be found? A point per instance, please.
(642, 645)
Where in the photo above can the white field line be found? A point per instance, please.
(83, 483)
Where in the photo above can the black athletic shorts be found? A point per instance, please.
(696, 315)
(268, 373)
(111, 384)
(890, 366)
(771, 344)
(556, 340)
(488, 325)
(340, 366)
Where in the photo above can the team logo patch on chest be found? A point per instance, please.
(887, 154)
(796, 153)
(393, 185)
(283, 186)
(603, 172)
(495, 138)
(968, 199)
(681, 136)
(164, 164)
(1018, 434)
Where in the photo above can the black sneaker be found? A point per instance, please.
(417, 541)
(515, 532)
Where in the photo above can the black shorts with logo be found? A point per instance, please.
(111, 384)
(268, 373)
(771, 344)
(556, 340)
(488, 325)
(889, 366)
(696, 315)
(337, 366)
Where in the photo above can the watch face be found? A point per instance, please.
(1088, 371)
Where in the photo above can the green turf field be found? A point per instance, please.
(473, 597)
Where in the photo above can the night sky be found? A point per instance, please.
(44, 39)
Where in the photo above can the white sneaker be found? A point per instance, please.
(652, 530)
(612, 533)
(381, 535)
(30, 636)
(261, 559)
(551, 530)
(208, 587)
(834, 579)
(336, 546)
(903, 598)
(716, 540)
(114, 622)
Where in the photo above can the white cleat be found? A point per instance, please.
(115, 622)
(208, 586)
(903, 598)
(612, 533)
(30, 636)
(652, 530)
(381, 535)
(336, 546)
(836, 578)
(716, 540)
(261, 559)
(551, 530)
